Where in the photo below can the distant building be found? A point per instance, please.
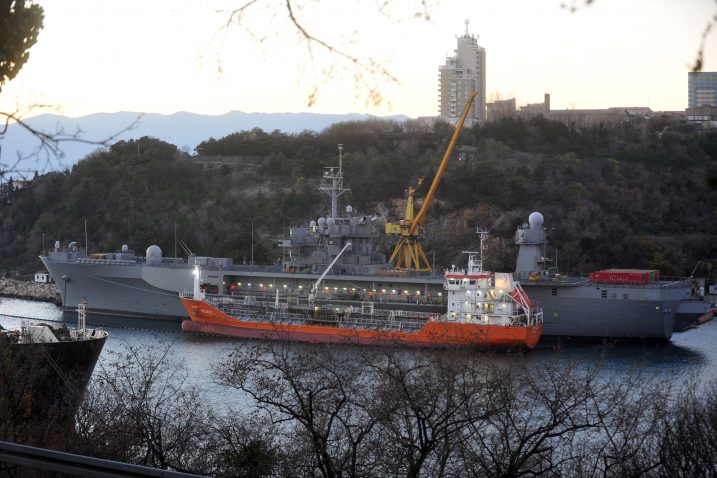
(704, 116)
(500, 109)
(21, 184)
(12, 185)
(463, 74)
(701, 88)
(595, 117)
(534, 109)
(574, 117)
(43, 278)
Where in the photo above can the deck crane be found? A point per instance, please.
(408, 254)
(315, 288)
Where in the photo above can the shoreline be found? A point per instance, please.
(27, 290)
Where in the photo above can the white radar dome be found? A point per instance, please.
(312, 223)
(330, 221)
(322, 221)
(125, 248)
(349, 209)
(154, 254)
(535, 219)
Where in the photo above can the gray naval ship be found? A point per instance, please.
(127, 285)
(581, 307)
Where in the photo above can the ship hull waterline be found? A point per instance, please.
(208, 320)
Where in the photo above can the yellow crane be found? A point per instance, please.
(408, 254)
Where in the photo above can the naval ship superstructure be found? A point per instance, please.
(125, 284)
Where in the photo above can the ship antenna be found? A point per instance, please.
(483, 234)
(332, 183)
(338, 183)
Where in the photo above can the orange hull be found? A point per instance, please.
(207, 319)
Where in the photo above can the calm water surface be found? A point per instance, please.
(688, 353)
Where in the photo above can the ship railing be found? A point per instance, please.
(253, 268)
(391, 312)
(336, 308)
(388, 324)
(674, 282)
(84, 260)
(276, 316)
(344, 319)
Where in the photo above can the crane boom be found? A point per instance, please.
(421, 216)
(315, 287)
(408, 254)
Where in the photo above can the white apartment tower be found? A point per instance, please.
(463, 74)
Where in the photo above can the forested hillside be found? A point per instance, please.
(636, 195)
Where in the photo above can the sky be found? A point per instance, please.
(164, 56)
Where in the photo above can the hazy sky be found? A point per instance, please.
(163, 56)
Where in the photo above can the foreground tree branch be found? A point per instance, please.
(366, 72)
(48, 149)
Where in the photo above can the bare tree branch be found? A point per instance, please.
(366, 72)
(697, 65)
(49, 144)
(573, 7)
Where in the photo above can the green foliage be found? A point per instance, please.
(20, 23)
(612, 197)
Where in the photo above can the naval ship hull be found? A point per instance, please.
(127, 290)
(599, 311)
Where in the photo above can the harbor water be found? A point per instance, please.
(687, 354)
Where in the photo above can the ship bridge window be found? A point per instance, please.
(603, 294)
(625, 296)
(472, 282)
(554, 291)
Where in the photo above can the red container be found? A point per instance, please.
(624, 276)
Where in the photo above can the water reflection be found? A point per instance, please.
(688, 353)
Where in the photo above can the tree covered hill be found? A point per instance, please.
(635, 195)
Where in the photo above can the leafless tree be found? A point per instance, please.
(365, 71)
(323, 400)
(247, 446)
(430, 399)
(689, 439)
(141, 410)
(47, 153)
(451, 413)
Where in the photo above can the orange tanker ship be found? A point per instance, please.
(485, 309)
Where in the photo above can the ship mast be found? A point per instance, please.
(475, 266)
(332, 183)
